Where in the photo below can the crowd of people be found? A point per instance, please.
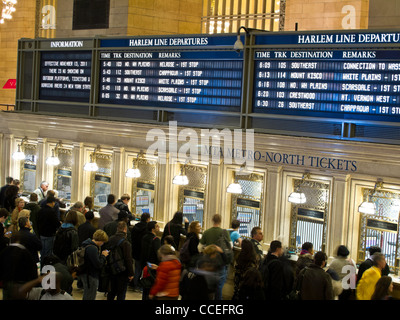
(119, 249)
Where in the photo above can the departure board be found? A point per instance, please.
(210, 80)
(337, 81)
(65, 76)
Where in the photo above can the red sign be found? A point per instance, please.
(10, 84)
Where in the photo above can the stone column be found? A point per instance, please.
(77, 173)
(338, 222)
(117, 172)
(272, 204)
(41, 174)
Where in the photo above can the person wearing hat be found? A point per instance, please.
(111, 227)
(338, 265)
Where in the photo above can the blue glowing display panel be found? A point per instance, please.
(65, 76)
(209, 80)
(338, 83)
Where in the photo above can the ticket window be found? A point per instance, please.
(28, 169)
(381, 228)
(192, 196)
(144, 188)
(63, 174)
(308, 220)
(246, 207)
(100, 181)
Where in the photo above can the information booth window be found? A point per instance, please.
(100, 181)
(28, 169)
(308, 220)
(63, 173)
(381, 228)
(247, 206)
(144, 188)
(192, 196)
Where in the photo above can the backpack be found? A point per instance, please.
(116, 260)
(76, 261)
(184, 254)
(62, 243)
(225, 245)
(264, 270)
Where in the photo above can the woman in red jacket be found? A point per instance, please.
(166, 285)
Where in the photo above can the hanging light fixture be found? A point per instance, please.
(368, 207)
(235, 187)
(54, 160)
(298, 197)
(134, 172)
(92, 165)
(19, 154)
(182, 179)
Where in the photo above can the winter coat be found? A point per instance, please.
(85, 230)
(303, 261)
(126, 250)
(150, 245)
(316, 284)
(31, 242)
(366, 285)
(66, 241)
(137, 234)
(48, 222)
(168, 277)
(94, 260)
(175, 230)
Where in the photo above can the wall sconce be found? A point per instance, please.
(134, 172)
(235, 187)
(53, 160)
(368, 207)
(19, 154)
(92, 165)
(182, 179)
(298, 197)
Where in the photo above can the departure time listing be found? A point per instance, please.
(354, 81)
(169, 79)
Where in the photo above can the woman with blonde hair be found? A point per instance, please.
(19, 205)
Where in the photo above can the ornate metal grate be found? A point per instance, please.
(380, 229)
(310, 226)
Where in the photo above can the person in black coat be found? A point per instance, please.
(150, 245)
(137, 233)
(368, 263)
(4, 239)
(48, 225)
(9, 181)
(175, 229)
(29, 240)
(86, 230)
(16, 267)
(273, 273)
(122, 205)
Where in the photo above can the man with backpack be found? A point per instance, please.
(120, 262)
(94, 260)
(220, 237)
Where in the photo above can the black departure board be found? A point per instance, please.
(336, 81)
(209, 80)
(65, 76)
